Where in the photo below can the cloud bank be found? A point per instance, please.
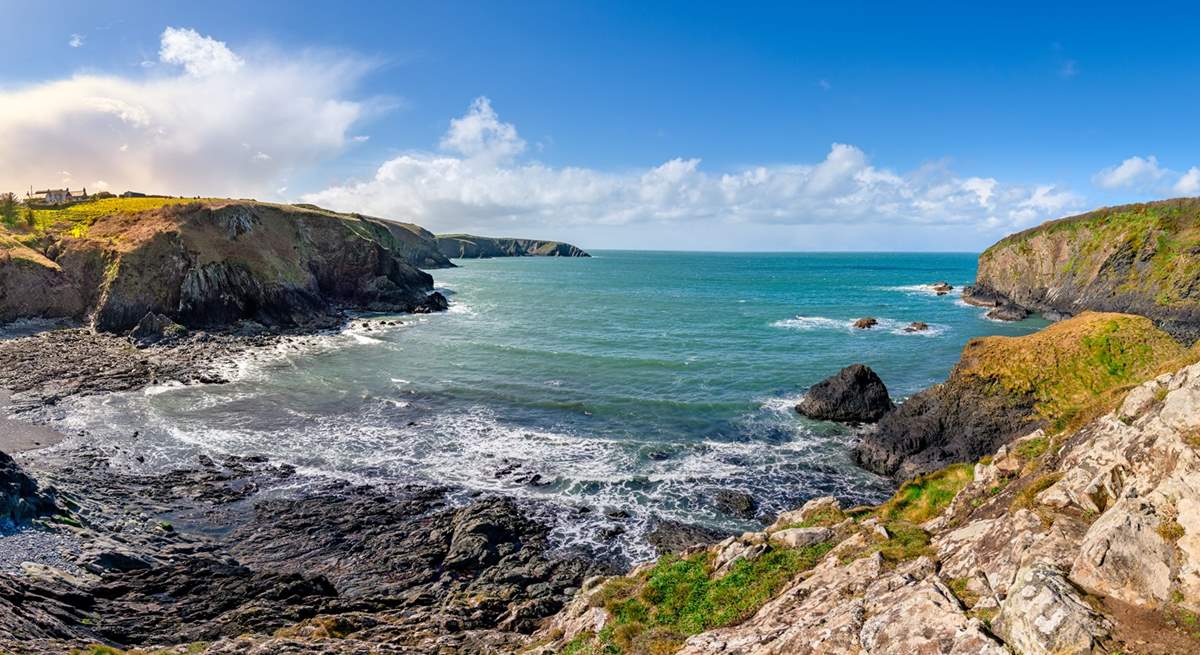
(478, 180)
(202, 120)
(1145, 174)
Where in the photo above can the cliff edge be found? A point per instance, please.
(1137, 259)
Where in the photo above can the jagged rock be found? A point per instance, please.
(866, 323)
(921, 617)
(155, 328)
(735, 503)
(670, 536)
(1043, 614)
(854, 395)
(942, 287)
(801, 537)
(1125, 557)
(20, 497)
(822, 506)
(1008, 312)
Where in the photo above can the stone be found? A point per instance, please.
(917, 326)
(155, 328)
(1008, 312)
(866, 323)
(1044, 614)
(854, 395)
(801, 537)
(735, 503)
(824, 505)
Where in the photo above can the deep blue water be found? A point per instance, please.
(633, 381)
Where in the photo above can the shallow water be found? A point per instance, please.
(632, 381)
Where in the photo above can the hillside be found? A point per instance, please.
(1139, 259)
(212, 262)
(466, 246)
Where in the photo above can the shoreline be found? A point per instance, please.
(18, 435)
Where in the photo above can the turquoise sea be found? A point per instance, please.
(622, 388)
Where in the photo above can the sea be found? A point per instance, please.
(612, 392)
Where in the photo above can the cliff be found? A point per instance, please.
(466, 246)
(1004, 387)
(1139, 259)
(1077, 543)
(211, 263)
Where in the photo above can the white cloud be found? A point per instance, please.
(478, 182)
(199, 55)
(1189, 182)
(76, 41)
(1134, 172)
(179, 128)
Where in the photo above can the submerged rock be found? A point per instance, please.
(866, 323)
(854, 395)
(916, 326)
(736, 503)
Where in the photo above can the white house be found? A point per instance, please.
(59, 196)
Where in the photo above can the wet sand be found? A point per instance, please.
(17, 435)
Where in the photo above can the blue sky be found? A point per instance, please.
(663, 125)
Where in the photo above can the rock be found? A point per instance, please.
(916, 326)
(1124, 556)
(866, 323)
(801, 537)
(155, 328)
(20, 498)
(854, 395)
(922, 617)
(982, 295)
(669, 536)
(735, 503)
(1008, 312)
(1043, 614)
(943, 287)
(824, 506)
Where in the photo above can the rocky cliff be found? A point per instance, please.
(1077, 543)
(214, 262)
(1140, 259)
(1004, 387)
(466, 246)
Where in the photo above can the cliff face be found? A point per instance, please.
(1139, 259)
(1004, 387)
(466, 246)
(1079, 543)
(211, 263)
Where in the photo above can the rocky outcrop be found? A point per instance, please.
(155, 328)
(854, 395)
(1083, 542)
(20, 497)
(213, 263)
(466, 246)
(1004, 387)
(1137, 259)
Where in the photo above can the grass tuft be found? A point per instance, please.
(924, 497)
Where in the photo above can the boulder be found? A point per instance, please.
(155, 328)
(669, 536)
(854, 395)
(1044, 614)
(801, 537)
(1008, 312)
(866, 323)
(942, 288)
(916, 326)
(735, 503)
(20, 498)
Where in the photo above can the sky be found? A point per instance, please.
(663, 125)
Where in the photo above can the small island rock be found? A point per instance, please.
(917, 326)
(854, 395)
(866, 323)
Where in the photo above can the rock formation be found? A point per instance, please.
(212, 263)
(1003, 387)
(854, 395)
(1138, 259)
(466, 246)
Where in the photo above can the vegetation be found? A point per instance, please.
(1074, 367)
(78, 217)
(8, 209)
(657, 610)
(924, 497)
(1027, 499)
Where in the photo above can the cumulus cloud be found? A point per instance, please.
(76, 41)
(206, 121)
(1189, 182)
(1135, 172)
(478, 180)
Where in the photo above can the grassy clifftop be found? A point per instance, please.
(209, 262)
(1140, 259)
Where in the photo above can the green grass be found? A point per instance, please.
(924, 497)
(656, 612)
(1034, 448)
(905, 542)
(78, 218)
